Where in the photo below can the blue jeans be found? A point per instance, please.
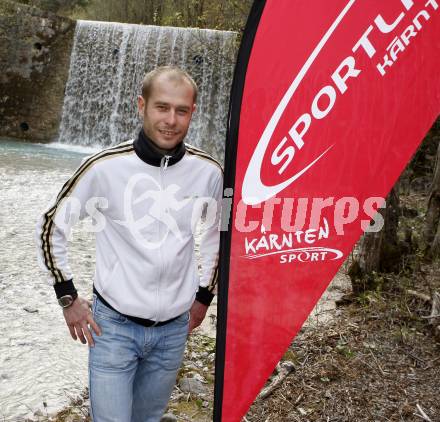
(132, 369)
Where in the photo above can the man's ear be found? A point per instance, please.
(193, 108)
(141, 106)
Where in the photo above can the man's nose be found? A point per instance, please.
(171, 118)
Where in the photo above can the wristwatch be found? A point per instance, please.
(66, 300)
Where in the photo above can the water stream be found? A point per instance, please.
(39, 362)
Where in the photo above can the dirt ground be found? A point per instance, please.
(379, 360)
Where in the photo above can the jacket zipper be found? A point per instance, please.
(166, 158)
(163, 166)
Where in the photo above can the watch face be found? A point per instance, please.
(65, 301)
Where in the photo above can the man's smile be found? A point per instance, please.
(168, 132)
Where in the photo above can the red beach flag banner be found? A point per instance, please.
(329, 102)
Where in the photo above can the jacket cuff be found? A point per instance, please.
(64, 288)
(204, 296)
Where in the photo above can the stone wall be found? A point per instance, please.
(35, 50)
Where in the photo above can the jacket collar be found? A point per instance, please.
(149, 153)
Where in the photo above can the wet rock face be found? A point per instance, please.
(35, 48)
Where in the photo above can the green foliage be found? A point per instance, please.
(221, 15)
(368, 297)
(54, 6)
(344, 349)
(290, 356)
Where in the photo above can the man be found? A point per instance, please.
(145, 196)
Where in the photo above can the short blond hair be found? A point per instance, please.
(174, 73)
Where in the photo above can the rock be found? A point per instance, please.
(192, 385)
(190, 366)
(168, 417)
(287, 366)
(30, 309)
(302, 411)
(35, 48)
(72, 418)
(200, 378)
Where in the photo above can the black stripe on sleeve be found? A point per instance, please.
(48, 224)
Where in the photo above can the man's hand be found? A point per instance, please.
(77, 316)
(197, 314)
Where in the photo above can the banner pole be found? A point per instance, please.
(229, 183)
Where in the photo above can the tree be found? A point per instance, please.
(378, 251)
(385, 252)
(432, 225)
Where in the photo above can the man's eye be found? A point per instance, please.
(161, 107)
(182, 112)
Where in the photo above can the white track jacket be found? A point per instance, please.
(145, 207)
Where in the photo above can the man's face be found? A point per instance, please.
(167, 112)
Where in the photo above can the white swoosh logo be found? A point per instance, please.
(254, 191)
(338, 253)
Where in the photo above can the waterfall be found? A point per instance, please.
(107, 65)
